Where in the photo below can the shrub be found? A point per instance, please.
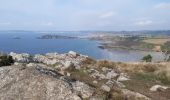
(147, 58)
(6, 60)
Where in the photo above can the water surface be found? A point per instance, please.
(28, 43)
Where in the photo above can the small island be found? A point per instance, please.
(49, 36)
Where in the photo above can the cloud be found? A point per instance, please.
(107, 14)
(162, 6)
(144, 23)
(5, 23)
(47, 23)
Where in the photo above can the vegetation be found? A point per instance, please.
(147, 58)
(5, 60)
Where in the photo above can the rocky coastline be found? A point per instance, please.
(73, 76)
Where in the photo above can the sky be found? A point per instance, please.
(79, 15)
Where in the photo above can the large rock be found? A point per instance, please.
(158, 87)
(135, 95)
(83, 89)
(112, 74)
(123, 77)
(105, 88)
(74, 54)
(33, 83)
(24, 57)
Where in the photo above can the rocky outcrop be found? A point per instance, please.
(24, 57)
(82, 89)
(158, 87)
(35, 83)
(69, 76)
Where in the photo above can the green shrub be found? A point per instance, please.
(147, 58)
(6, 60)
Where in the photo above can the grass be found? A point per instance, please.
(157, 41)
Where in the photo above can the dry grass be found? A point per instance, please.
(157, 41)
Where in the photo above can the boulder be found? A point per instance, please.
(83, 89)
(135, 95)
(105, 88)
(158, 87)
(33, 83)
(111, 75)
(23, 58)
(123, 77)
(74, 54)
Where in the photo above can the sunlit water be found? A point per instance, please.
(29, 44)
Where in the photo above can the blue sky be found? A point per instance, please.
(75, 15)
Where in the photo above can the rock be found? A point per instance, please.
(95, 82)
(74, 54)
(23, 58)
(68, 64)
(111, 75)
(105, 88)
(52, 55)
(158, 87)
(135, 95)
(33, 83)
(96, 98)
(123, 77)
(104, 69)
(83, 89)
(51, 62)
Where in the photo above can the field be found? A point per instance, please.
(157, 41)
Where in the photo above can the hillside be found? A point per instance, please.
(73, 76)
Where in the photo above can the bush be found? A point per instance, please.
(147, 58)
(6, 60)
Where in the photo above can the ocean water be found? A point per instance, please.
(28, 43)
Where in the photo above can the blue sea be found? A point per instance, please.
(27, 42)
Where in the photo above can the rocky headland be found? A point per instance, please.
(72, 76)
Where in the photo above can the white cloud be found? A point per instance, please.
(162, 6)
(108, 14)
(144, 23)
(5, 23)
(48, 23)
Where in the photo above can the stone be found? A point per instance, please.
(105, 88)
(83, 89)
(135, 95)
(158, 87)
(95, 82)
(23, 58)
(73, 53)
(123, 77)
(33, 83)
(111, 74)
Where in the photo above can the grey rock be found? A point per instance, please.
(83, 89)
(33, 83)
(105, 88)
(24, 57)
(73, 53)
(158, 87)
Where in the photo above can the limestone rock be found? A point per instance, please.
(73, 53)
(24, 57)
(33, 83)
(83, 89)
(111, 74)
(105, 88)
(135, 95)
(122, 77)
(158, 87)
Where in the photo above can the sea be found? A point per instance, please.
(28, 42)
